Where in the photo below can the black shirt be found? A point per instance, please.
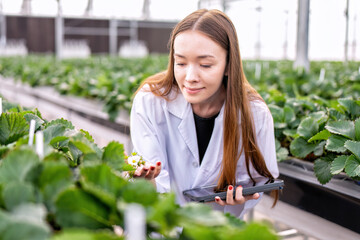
(204, 128)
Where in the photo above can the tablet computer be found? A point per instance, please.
(208, 194)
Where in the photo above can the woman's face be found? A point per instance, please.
(199, 68)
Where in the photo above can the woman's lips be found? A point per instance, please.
(192, 90)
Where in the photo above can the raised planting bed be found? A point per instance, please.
(337, 201)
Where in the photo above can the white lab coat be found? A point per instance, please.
(165, 131)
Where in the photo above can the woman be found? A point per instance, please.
(200, 122)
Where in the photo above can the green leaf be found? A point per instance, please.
(100, 181)
(335, 143)
(352, 166)
(320, 117)
(353, 147)
(235, 221)
(200, 214)
(322, 135)
(350, 106)
(84, 234)
(55, 177)
(308, 128)
(113, 155)
(357, 129)
(290, 133)
(53, 131)
(80, 145)
(277, 113)
(17, 193)
(83, 147)
(25, 222)
(282, 154)
(322, 170)
(3, 151)
(289, 114)
(38, 121)
(338, 164)
(336, 115)
(299, 147)
(76, 208)
(163, 215)
(17, 165)
(140, 191)
(255, 231)
(87, 135)
(343, 128)
(65, 123)
(59, 142)
(13, 126)
(319, 149)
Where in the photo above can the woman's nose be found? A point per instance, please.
(191, 73)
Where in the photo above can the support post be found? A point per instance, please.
(113, 26)
(59, 32)
(89, 8)
(26, 7)
(346, 32)
(2, 26)
(146, 9)
(302, 39)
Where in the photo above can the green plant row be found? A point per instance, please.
(78, 191)
(316, 118)
(110, 80)
(113, 80)
(293, 95)
(326, 133)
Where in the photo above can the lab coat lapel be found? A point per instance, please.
(188, 132)
(182, 109)
(211, 163)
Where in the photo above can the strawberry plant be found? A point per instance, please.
(77, 190)
(331, 140)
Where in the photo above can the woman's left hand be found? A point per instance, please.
(239, 198)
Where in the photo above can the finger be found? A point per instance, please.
(141, 171)
(138, 172)
(151, 172)
(252, 197)
(157, 169)
(219, 201)
(230, 195)
(239, 198)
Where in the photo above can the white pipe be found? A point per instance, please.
(31, 132)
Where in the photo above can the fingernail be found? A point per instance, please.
(158, 163)
(217, 199)
(239, 186)
(152, 168)
(145, 169)
(230, 187)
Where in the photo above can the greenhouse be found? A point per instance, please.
(168, 119)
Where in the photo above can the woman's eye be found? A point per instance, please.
(180, 64)
(205, 66)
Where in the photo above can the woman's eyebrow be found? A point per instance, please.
(201, 56)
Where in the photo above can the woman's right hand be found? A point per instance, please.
(148, 171)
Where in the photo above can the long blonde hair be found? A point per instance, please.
(218, 27)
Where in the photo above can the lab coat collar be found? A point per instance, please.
(177, 104)
(179, 107)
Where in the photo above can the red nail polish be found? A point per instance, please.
(217, 199)
(152, 168)
(158, 163)
(230, 188)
